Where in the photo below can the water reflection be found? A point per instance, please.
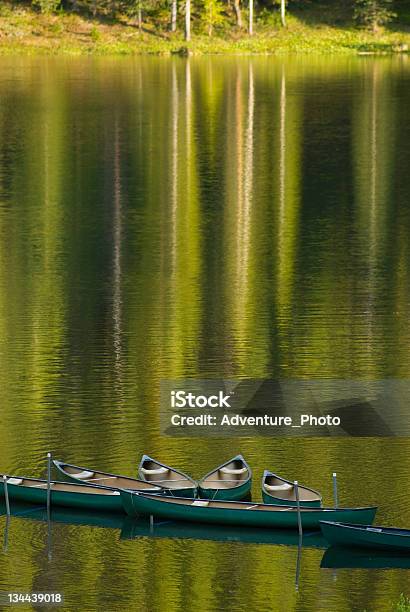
(341, 558)
(206, 218)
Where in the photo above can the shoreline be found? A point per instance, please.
(25, 32)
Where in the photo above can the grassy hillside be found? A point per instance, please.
(320, 28)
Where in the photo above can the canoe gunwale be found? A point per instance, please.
(59, 465)
(376, 529)
(80, 485)
(243, 505)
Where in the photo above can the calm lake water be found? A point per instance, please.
(227, 218)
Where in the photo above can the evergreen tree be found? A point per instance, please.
(47, 6)
(373, 13)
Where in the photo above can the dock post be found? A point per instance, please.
(49, 541)
(298, 507)
(6, 533)
(151, 523)
(6, 495)
(48, 483)
(298, 564)
(335, 490)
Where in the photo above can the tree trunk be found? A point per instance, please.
(188, 20)
(174, 16)
(139, 17)
(237, 8)
(283, 12)
(250, 17)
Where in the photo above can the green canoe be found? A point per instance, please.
(276, 490)
(34, 491)
(366, 536)
(74, 473)
(231, 481)
(237, 513)
(176, 482)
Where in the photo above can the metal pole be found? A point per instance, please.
(335, 490)
(49, 541)
(6, 495)
(48, 482)
(298, 507)
(6, 534)
(298, 563)
(151, 523)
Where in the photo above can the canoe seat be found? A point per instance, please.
(160, 470)
(227, 470)
(376, 529)
(15, 481)
(283, 487)
(83, 475)
(200, 502)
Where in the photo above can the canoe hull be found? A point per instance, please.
(135, 505)
(234, 494)
(189, 492)
(348, 536)
(276, 501)
(106, 480)
(309, 498)
(86, 501)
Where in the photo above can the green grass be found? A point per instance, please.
(23, 31)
